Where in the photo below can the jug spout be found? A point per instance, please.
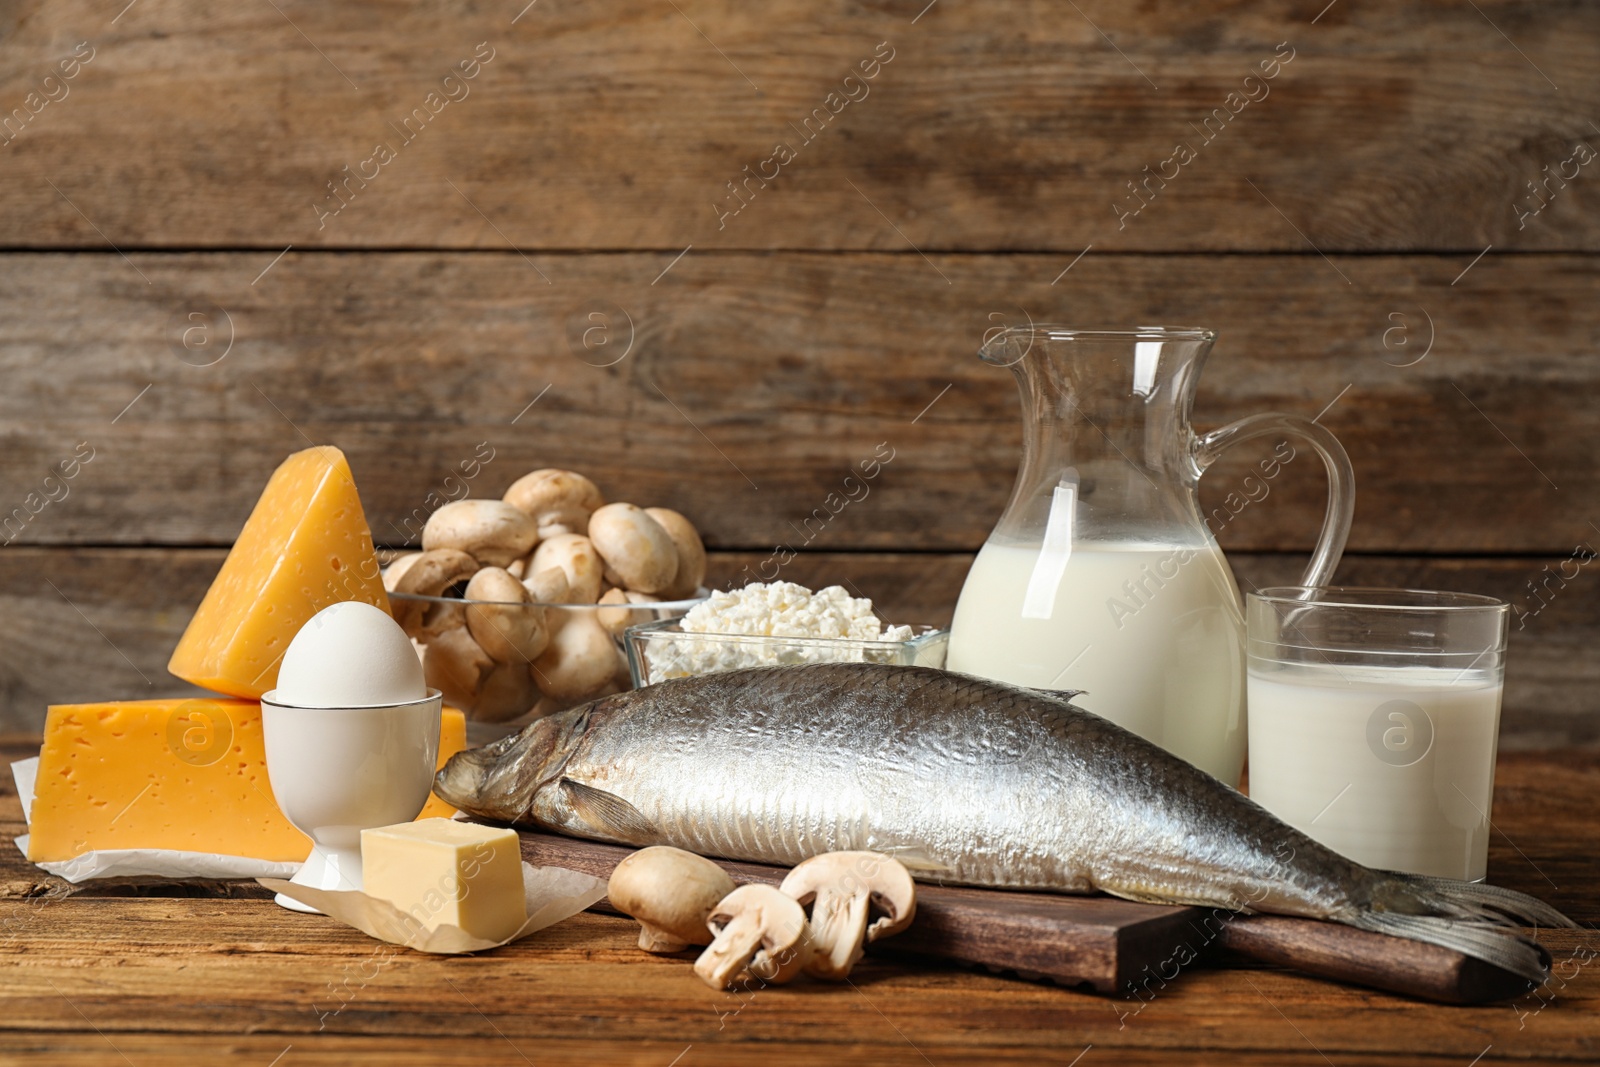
(1105, 414)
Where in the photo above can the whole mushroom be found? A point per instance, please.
(501, 619)
(430, 574)
(558, 501)
(638, 553)
(580, 659)
(672, 893)
(617, 618)
(575, 554)
(691, 553)
(845, 890)
(759, 931)
(491, 531)
(454, 664)
(397, 567)
(506, 691)
(549, 586)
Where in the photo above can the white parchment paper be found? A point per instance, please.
(551, 894)
(140, 862)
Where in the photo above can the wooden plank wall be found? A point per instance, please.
(552, 249)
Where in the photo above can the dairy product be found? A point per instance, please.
(185, 774)
(775, 610)
(446, 873)
(350, 655)
(1391, 766)
(306, 545)
(1151, 634)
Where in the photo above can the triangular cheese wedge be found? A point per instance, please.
(305, 546)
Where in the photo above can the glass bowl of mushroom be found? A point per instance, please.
(517, 607)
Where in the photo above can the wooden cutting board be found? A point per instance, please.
(1117, 947)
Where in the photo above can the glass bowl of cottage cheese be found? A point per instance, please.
(770, 623)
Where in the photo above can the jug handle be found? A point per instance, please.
(1341, 478)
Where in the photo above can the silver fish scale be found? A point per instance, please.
(965, 780)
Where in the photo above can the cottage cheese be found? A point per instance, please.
(774, 610)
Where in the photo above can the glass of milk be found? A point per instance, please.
(1373, 720)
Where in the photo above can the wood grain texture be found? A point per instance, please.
(1115, 946)
(93, 624)
(161, 979)
(755, 384)
(1410, 126)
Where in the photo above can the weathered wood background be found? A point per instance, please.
(549, 267)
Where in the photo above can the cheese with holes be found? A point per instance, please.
(172, 774)
(305, 546)
(446, 873)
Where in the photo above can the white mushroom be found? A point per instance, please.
(491, 531)
(580, 659)
(672, 893)
(576, 555)
(617, 619)
(507, 627)
(549, 586)
(691, 553)
(430, 574)
(759, 931)
(397, 567)
(455, 665)
(638, 553)
(506, 692)
(845, 890)
(558, 501)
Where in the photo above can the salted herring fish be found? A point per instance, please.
(965, 781)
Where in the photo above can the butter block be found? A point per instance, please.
(177, 774)
(447, 873)
(306, 545)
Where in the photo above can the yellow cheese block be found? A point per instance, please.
(305, 546)
(446, 873)
(176, 774)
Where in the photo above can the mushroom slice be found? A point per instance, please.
(759, 931)
(492, 531)
(672, 893)
(558, 501)
(430, 574)
(844, 889)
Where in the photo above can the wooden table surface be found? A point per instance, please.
(217, 974)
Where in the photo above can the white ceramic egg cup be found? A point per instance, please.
(338, 771)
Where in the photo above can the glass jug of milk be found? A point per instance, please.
(1102, 574)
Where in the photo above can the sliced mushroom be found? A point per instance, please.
(558, 501)
(691, 553)
(492, 531)
(502, 620)
(845, 890)
(759, 931)
(430, 574)
(456, 666)
(575, 554)
(506, 692)
(580, 659)
(672, 893)
(638, 553)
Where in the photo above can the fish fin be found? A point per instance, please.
(1478, 901)
(608, 813)
(1509, 952)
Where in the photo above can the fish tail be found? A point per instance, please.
(1518, 955)
(1469, 917)
(1479, 902)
